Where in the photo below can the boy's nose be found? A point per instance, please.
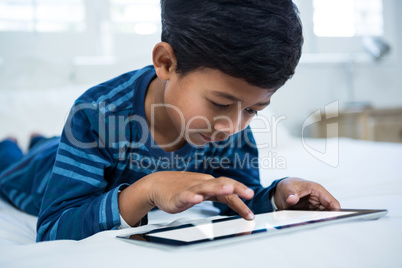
(227, 126)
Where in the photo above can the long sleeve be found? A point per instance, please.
(91, 167)
(78, 202)
(240, 156)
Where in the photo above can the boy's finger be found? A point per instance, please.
(187, 199)
(212, 188)
(239, 188)
(328, 201)
(222, 186)
(235, 203)
(325, 199)
(292, 196)
(292, 199)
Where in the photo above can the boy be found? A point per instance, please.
(169, 135)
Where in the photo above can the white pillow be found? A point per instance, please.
(23, 112)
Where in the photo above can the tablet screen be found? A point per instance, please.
(234, 226)
(268, 221)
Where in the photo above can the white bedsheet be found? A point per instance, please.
(369, 175)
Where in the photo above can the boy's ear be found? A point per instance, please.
(164, 60)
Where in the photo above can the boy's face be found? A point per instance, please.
(207, 105)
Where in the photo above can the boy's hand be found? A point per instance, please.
(295, 193)
(175, 191)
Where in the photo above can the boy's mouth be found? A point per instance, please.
(208, 139)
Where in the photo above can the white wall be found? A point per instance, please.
(43, 61)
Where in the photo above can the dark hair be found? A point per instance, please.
(258, 41)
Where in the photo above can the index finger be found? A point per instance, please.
(222, 186)
(235, 203)
(327, 200)
(238, 188)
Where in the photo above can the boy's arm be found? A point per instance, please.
(78, 201)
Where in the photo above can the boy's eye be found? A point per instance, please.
(251, 111)
(220, 106)
(224, 106)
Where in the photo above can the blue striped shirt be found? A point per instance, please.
(72, 182)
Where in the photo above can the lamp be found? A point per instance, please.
(376, 47)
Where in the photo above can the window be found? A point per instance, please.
(42, 15)
(347, 18)
(138, 16)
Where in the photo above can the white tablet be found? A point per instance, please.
(230, 228)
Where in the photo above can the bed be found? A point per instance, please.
(367, 175)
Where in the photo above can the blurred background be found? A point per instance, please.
(52, 51)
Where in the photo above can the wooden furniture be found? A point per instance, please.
(366, 124)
